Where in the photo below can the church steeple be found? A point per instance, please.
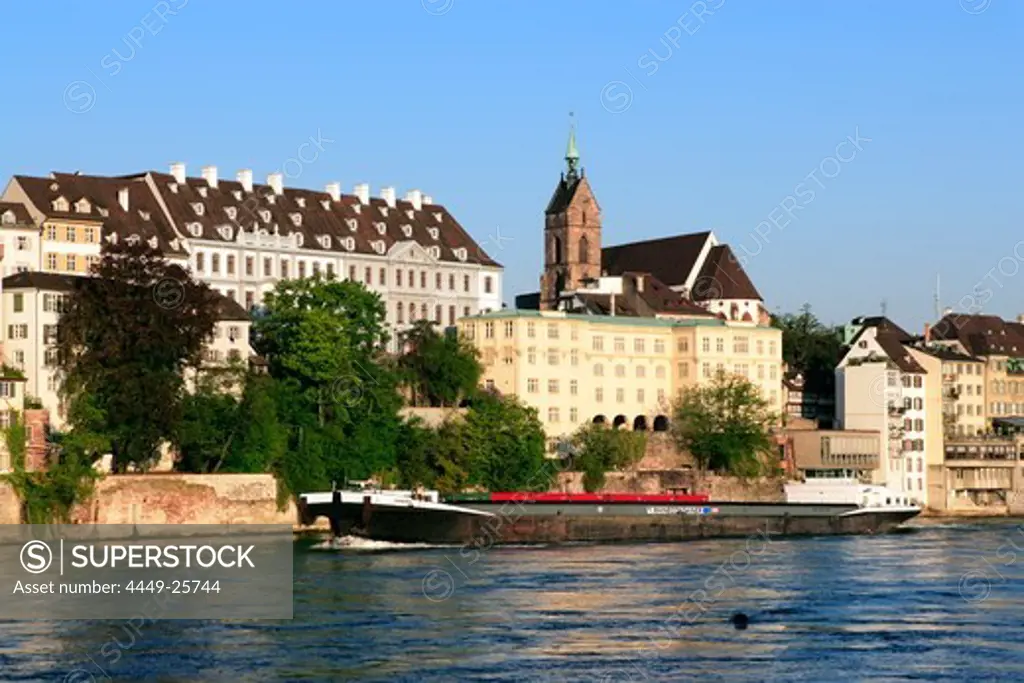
(572, 155)
(572, 232)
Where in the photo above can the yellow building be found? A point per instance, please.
(621, 370)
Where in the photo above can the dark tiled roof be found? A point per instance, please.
(893, 347)
(144, 218)
(21, 215)
(562, 197)
(722, 277)
(318, 215)
(229, 309)
(643, 296)
(884, 325)
(946, 353)
(670, 259)
(38, 280)
(981, 335)
(528, 302)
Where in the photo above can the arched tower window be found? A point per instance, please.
(556, 249)
(584, 250)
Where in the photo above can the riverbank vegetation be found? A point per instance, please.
(321, 404)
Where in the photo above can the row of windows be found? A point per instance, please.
(71, 261)
(1002, 387)
(353, 272)
(89, 234)
(970, 409)
(913, 425)
(969, 389)
(916, 445)
(739, 345)
(741, 369)
(913, 404)
(914, 380)
(963, 368)
(1003, 408)
(555, 415)
(400, 310)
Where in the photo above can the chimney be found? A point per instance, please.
(946, 311)
(333, 189)
(388, 195)
(927, 333)
(245, 178)
(427, 199)
(122, 198)
(210, 175)
(362, 190)
(415, 197)
(1020, 318)
(178, 171)
(276, 182)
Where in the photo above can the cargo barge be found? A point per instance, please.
(816, 507)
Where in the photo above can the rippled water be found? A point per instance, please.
(939, 602)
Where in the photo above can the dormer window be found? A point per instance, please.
(383, 211)
(103, 212)
(173, 187)
(225, 231)
(132, 240)
(144, 215)
(352, 224)
(271, 198)
(435, 252)
(231, 211)
(406, 229)
(296, 219)
(153, 242)
(202, 192)
(8, 218)
(300, 239)
(378, 246)
(358, 208)
(195, 229)
(349, 243)
(198, 208)
(174, 244)
(60, 204)
(265, 215)
(381, 227)
(461, 254)
(437, 216)
(410, 213)
(82, 206)
(112, 238)
(325, 241)
(237, 195)
(326, 204)
(434, 233)
(301, 202)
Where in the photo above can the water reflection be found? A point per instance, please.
(884, 608)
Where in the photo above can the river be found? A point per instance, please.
(938, 602)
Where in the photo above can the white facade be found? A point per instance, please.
(873, 393)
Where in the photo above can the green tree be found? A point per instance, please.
(124, 340)
(810, 348)
(16, 440)
(598, 450)
(725, 425)
(439, 369)
(334, 390)
(506, 445)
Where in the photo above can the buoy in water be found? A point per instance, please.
(740, 621)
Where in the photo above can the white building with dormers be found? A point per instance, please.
(242, 237)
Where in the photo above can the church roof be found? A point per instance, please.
(726, 277)
(670, 259)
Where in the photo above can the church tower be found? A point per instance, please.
(572, 232)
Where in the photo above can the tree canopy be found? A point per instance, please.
(810, 348)
(438, 369)
(725, 425)
(124, 340)
(598, 449)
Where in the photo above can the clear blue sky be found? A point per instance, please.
(469, 100)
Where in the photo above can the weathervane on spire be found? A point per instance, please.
(572, 155)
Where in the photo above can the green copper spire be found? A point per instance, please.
(572, 155)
